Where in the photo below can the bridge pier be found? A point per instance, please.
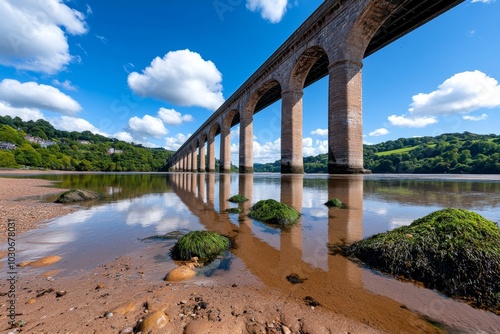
(203, 165)
(194, 161)
(225, 151)
(211, 155)
(345, 118)
(188, 162)
(291, 132)
(246, 144)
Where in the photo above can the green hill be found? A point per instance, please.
(454, 153)
(39, 145)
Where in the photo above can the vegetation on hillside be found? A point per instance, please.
(455, 153)
(63, 150)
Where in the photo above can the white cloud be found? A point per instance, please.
(181, 77)
(483, 1)
(124, 136)
(147, 125)
(67, 123)
(173, 143)
(379, 132)
(462, 93)
(34, 96)
(172, 117)
(31, 34)
(320, 132)
(103, 39)
(411, 122)
(475, 118)
(66, 84)
(26, 114)
(268, 152)
(310, 149)
(271, 10)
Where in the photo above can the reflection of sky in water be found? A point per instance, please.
(107, 231)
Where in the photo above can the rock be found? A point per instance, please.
(46, 261)
(31, 301)
(124, 309)
(335, 203)
(154, 322)
(205, 245)
(272, 212)
(181, 273)
(286, 330)
(75, 195)
(99, 286)
(60, 294)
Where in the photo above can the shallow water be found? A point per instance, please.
(141, 205)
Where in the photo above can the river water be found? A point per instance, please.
(141, 205)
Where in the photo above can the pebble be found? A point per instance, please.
(61, 294)
(286, 330)
(153, 322)
(31, 301)
(180, 274)
(124, 308)
(127, 330)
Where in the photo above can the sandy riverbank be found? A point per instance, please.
(49, 302)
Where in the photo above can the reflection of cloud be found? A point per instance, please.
(378, 211)
(317, 213)
(398, 222)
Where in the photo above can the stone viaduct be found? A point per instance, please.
(333, 41)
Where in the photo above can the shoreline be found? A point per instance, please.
(136, 280)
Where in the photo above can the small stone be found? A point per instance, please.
(181, 273)
(31, 301)
(286, 330)
(154, 322)
(124, 308)
(99, 286)
(60, 294)
(182, 302)
(109, 315)
(127, 330)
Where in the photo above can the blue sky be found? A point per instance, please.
(84, 65)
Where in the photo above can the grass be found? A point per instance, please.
(335, 203)
(454, 251)
(205, 245)
(233, 210)
(273, 212)
(238, 199)
(396, 151)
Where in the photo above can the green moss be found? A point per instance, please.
(174, 235)
(454, 251)
(205, 245)
(273, 212)
(233, 210)
(238, 199)
(335, 203)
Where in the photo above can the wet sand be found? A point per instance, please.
(85, 302)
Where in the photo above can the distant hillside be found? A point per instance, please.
(454, 153)
(39, 145)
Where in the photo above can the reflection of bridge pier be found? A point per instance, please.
(339, 287)
(345, 226)
(224, 191)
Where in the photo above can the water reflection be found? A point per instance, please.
(141, 205)
(337, 283)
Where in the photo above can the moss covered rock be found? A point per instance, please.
(335, 203)
(233, 210)
(273, 212)
(454, 251)
(75, 195)
(238, 199)
(205, 245)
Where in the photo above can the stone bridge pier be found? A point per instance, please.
(332, 42)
